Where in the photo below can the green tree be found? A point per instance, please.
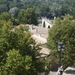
(14, 12)
(5, 28)
(26, 46)
(27, 16)
(19, 65)
(63, 30)
(65, 9)
(12, 40)
(6, 16)
(3, 8)
(55, 9)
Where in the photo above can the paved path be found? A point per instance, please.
(68, 71)
(52, 73)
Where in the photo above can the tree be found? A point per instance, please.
(18, 65)
(27, 16)
(14, 12)
(65, 9)
(63, 30)
(44, 10)
(3, 8)
(55, 9)
(5, 28)
(26, 46)
(18, 45)
(6, 16)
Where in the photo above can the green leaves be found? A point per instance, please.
(18, 51)
(27, 16)
(63, 30)
(18, 64)
(5, 16)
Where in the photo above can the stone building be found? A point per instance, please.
(46, 23)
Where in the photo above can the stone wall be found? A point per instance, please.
(46, 23)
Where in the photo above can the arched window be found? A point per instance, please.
(44, 24)
(48, 26)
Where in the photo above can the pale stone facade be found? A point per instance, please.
(46, 23)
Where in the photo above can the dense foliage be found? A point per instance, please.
(46, 8)
(17, 44)
(6, 16)
(27, 16)
(18, 51)
(63, 31)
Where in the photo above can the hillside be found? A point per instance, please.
(45, 8)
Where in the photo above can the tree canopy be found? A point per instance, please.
(44, 8)
(27, 16)
(6, 16)
(14, 12)
(18, 51)
(63, 31)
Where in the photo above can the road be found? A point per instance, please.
(68, 71)
(52, 73)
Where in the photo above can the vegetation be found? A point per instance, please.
(44, 8)
(27, 16)
(6, 16)
(17, 44)
(63, 30)
(18, 51)
(14, 12)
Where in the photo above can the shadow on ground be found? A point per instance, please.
(70, 71)
(55, 68)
